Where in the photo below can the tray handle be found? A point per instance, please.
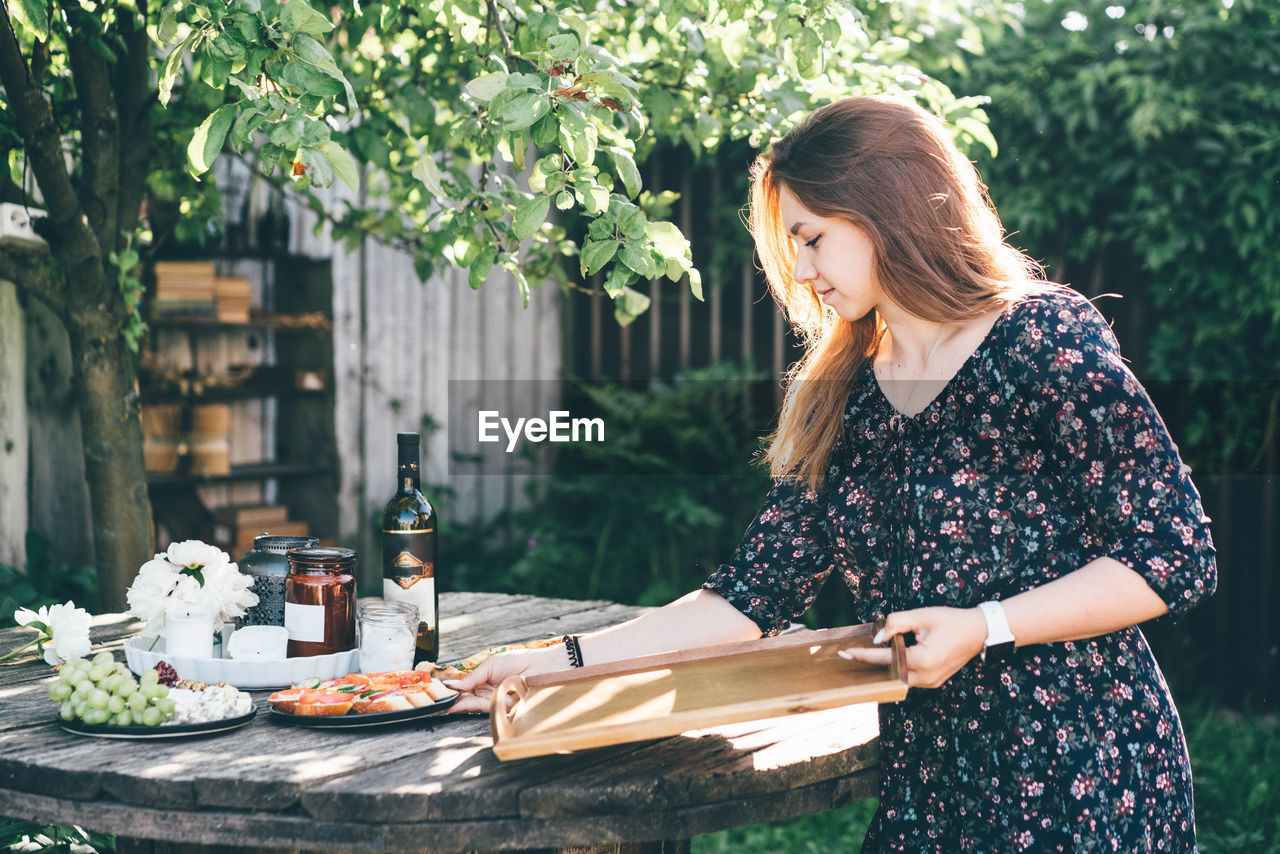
(898, 662)
(501, 719)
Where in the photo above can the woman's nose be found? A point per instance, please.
(803, 271)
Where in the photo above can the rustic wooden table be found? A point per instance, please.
(426, 786)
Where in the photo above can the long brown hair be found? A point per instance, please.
(887, 166)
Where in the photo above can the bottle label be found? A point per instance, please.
(422, 594)
(408, 571)
(304, 622)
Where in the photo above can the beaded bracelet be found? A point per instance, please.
(575, 651)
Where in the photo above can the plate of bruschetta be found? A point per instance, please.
(362, 699)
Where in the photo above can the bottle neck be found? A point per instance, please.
(407, 470)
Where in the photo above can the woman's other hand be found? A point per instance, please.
(946, 639)
(477, 687)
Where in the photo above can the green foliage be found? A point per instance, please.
(496, 130)
(839, 831)
(21, 835)
(43, 583)
(1235, 763)
(642, 517)
(1139, 149)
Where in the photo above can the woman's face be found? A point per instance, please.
(834, 257)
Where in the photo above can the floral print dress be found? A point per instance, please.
(1041, 454)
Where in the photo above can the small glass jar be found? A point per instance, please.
(388, 635)
(266, 563)
(320, 601)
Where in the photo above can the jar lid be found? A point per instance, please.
(278, 544)
(381, 610)
(323, 556)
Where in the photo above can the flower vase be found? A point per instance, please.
(188, 630)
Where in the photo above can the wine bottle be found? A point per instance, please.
(409, 550)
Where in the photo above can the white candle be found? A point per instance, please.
(188, 630)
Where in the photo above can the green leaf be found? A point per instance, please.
(34, 15)
(318, 57)
(209, 137)
(625, 165)
(808, 48)
(564, 201)
(426, 171)
(628, 305)
(344, 165)
(480, 271)
(595, 254)
(486, 86)
(578, 136)
(523, 110)
(170, 73)
(638, 258)
(619, 277)
(530, 214)
(563, 46)
(668, 240)
(297, 16)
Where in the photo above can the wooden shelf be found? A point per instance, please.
(253, 471)
(258, 321)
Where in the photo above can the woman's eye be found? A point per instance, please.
(814, 242)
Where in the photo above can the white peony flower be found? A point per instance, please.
(229, 591)
(64, 631)
(192, 573)
(192, 554)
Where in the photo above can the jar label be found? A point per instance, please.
(422, 593)
(304, 622)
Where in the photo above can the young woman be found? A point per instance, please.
(963, 444)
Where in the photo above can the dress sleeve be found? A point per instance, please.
(776, 572)
(1105, 441)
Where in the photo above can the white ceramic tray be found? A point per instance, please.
(247, 674)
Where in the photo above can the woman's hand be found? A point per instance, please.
(477, 687)
(946, 638)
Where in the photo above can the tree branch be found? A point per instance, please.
(99, 124)
(134, 96)
(37, 275)
(496, 19)
(42, 142)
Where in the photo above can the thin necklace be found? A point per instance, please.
(906, 403)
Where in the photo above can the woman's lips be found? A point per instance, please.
(823, 295)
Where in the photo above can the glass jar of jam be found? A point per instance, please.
(320, 601)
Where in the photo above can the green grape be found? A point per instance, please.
(127, 688)
(60, 691)
(105, 660)
(152, 716)
(166, 705)
(85, 686)
(115, 703)
(81, 709)
(97, 673)
(126, 718)
(137, 701)
(122, 669)
(98, 699)
(67, 711)
(96, 716)
(153, 692)
(109, 683)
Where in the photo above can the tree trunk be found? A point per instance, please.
(106, 389)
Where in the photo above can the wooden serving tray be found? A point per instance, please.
(664, 695)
